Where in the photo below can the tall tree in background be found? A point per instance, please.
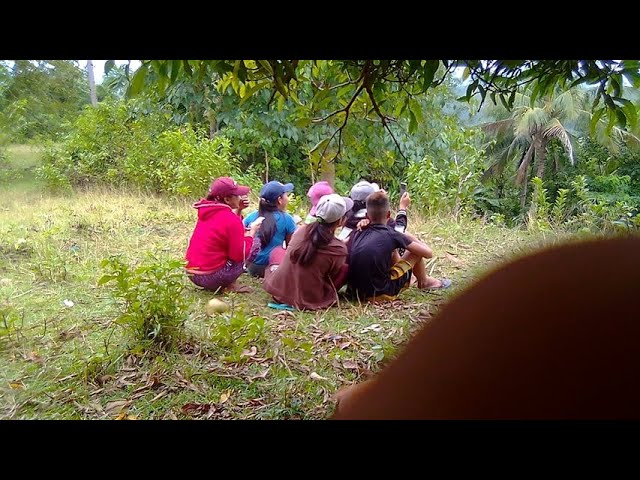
(92, 83)
(39, 98)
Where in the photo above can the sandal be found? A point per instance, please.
(444, 283)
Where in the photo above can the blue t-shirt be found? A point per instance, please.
(285, 225)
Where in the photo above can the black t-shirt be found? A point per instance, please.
(370, 259)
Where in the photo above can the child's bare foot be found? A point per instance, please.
(234, 287)
(431, 283)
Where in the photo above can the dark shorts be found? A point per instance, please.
(223, 277)
(400, 278)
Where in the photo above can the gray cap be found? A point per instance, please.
(333, 207)
(363, 189)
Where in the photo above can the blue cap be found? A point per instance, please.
(272, 190)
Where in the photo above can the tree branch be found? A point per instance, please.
(346, 110)
(384, 121)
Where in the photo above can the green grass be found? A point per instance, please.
(62, 362)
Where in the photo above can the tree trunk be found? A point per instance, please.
(92, 83)
(328, 169)
(524, 165)
(540, 145)
(213, 124)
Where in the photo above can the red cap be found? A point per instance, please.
(224, 186)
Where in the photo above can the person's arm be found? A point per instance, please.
(240, 244)
(411, 243)
(249, 218)
(419, 248)
(336, 265)
(290, 226)
(401, 215)
(339, 272)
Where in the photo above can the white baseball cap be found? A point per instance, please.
(363, 189)
(333, 207)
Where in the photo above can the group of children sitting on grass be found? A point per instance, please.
(348, 241)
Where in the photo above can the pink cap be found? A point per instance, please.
(316, 192)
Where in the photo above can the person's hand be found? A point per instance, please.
(244, 203)
(363, 224)
(405, 201)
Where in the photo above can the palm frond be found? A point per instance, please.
(568, 104)
(497, 128)
(532, 120)
(555, 129)
(626, 137)
(615, 139)
(495, 169)
(502, 158)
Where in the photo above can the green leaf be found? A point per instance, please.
(629, 110)
(534, 94)
(137, 83)
(108, 65)
(621, 118)
(343, 90)
(430, 68)
(504, 102)
(612, 121)
(471, 88)
(266, 66)
(321, 144)
(580, 81)
(105, 278)
(483, 92)
(175, 69)
(187, 67)
(595, 119)
(303, 122)
(250, 91)
(512, 98)
(615, 85)
(413, 123)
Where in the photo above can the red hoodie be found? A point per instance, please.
(217, 237)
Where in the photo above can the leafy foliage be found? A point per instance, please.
(154, 308)
(236, 332)
(448, 180)
(39, 99)
(369, 83)
(116, 144)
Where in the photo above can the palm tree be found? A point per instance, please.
(525, 133)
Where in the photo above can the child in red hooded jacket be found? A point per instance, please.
(219, 245)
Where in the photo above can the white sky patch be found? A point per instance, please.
(98, 67)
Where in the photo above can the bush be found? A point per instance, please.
(113, 144)
(154, 308)
(450, 184)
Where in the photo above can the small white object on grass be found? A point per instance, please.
(216, 306)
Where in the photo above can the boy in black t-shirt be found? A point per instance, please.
(376, 271)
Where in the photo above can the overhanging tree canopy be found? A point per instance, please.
(331, 92)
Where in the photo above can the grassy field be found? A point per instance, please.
(65, 357)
